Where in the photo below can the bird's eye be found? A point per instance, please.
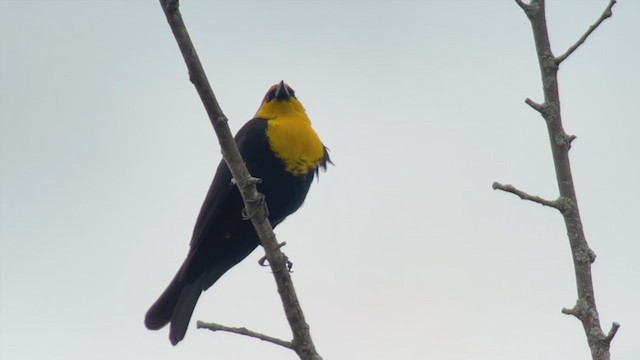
(271, 94)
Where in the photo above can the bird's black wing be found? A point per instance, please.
(223, 203)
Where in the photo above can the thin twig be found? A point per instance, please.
(614, 329)
(246, 332)
(578, 310)
(569, 311)
(605, 15)
(524, 6)
(524, 196)
(541, 108)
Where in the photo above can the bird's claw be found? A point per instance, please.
(262, 201)
(263, 261)
(251, 179)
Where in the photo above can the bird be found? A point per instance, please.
(279, 147)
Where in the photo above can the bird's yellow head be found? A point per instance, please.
(280, 100)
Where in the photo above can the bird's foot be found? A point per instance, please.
(262, 201)
(264, 261)
(252, 179)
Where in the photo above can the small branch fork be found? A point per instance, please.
(605, 15)
(585, 309)
(599, 339)
(256, 209)
(533, 7)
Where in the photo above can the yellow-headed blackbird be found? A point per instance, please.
(281, 148)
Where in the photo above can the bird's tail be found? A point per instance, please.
(175, 305)
(177, 302)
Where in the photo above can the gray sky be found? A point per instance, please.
(402, 250)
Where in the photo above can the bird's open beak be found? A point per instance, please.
(282, 91)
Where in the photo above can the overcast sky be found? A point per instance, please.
(402, 249)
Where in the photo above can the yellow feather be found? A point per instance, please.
(291, 136)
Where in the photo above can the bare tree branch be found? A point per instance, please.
(585, 309)
(524, 196)
(541, 108)
(605, 15)
(255, 207)
(612, 332)
(246, 332)
(523, 5)
(578, 310)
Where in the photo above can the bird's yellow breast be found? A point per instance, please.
(291, 136)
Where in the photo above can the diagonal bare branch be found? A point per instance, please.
(605, 15)
(302, 342)
(246, 332)
(524, 196)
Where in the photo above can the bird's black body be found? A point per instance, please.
(221, 213)
(221, 237)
